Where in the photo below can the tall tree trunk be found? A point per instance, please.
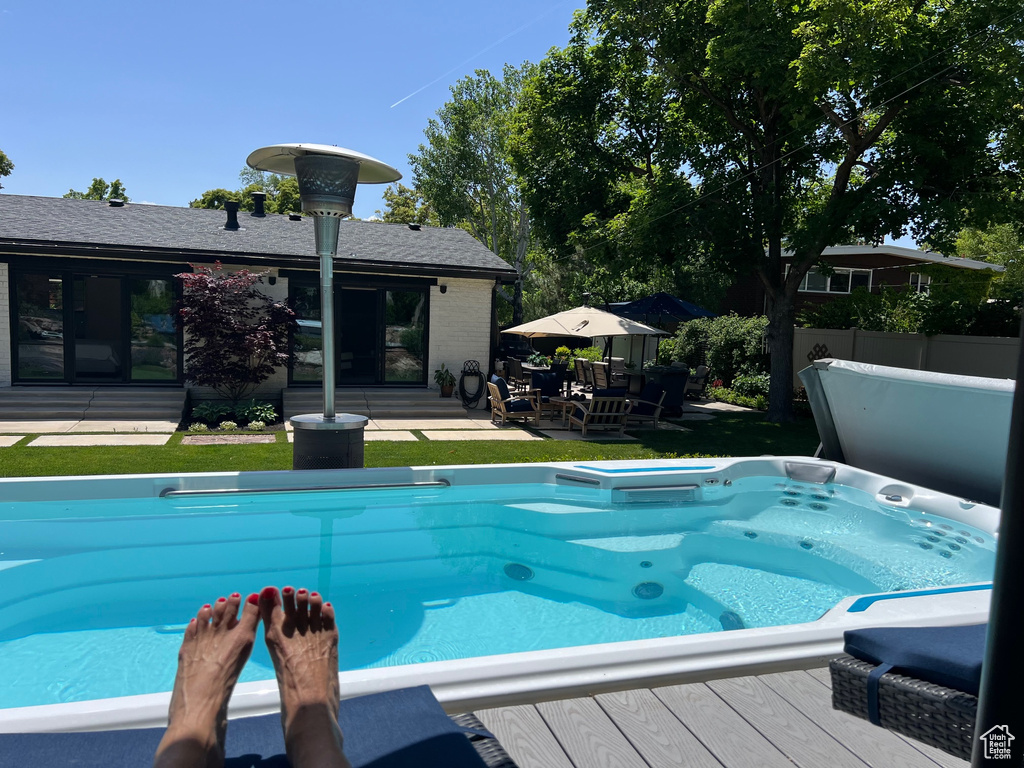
(781, 318)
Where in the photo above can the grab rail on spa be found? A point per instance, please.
(166, 492)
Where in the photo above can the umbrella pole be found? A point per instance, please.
(999, 702)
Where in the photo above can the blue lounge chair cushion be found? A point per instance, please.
(549, 383)
(649, 394)
(519, 405)
(381, 730)
(947, 656)
(501, 385)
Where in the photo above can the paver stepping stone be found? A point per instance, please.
(36, 427)
(55, 441)
(377, 436)
(226, 439)
(8, 440)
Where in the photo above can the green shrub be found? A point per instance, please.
(729, 346)
(227, 426)
(212, 411)
(198, 427)
(412, 340)
(593, 354)
(563, 353)
(752, 385)
(538, 359)
(726, 395)
(256, 426)
(256, 411)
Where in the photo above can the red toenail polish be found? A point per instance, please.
(253, 598)
(287, 590)
(268, 593)
(327, 605)
(193, 621)
(314, 594)
(206, 606)
(222, 599)
(302, 591)
(235, 594)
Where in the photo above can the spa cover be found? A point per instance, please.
(938, 430)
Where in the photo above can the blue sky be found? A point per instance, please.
(172, 97)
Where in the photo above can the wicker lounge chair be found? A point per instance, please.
(505, 407)
(647, 406)
(382, 730)
(607, 409)
(931, 692)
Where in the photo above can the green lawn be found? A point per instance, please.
(734, 434)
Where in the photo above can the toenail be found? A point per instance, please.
(302, 592)
(253, 598)
(287, 590)
(206, 606)
(327, 605)
(268, 593)
(222, 599)
(314, 594)
(235, 594)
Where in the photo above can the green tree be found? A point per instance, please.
(282, 193)
(6, 166)
(405, 205)
(1001, 244)
(100, 190)
(464, 170)
(729, 131)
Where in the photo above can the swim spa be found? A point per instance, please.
(490, 583)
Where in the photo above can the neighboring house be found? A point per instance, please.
(87, 292)
(855, 266)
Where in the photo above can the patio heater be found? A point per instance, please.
(327, 179)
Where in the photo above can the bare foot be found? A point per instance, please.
(303, 642)
(216, 646)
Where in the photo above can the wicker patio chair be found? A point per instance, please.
(504, 406)
(607, 409)
(940, 710)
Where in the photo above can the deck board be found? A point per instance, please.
(657, 734)
(778, 720)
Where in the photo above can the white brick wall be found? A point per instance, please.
(460, 325)
(5, 326)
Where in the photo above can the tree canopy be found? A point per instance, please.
(405, 205)
(713, 135)
(282, 193)
(6, 166)
(465, 173)
(100, 190)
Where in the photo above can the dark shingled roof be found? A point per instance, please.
(55, 226)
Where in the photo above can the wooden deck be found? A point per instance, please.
(769, 721)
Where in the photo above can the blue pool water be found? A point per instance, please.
(94, 595)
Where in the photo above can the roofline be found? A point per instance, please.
(912, 254)
(348, 264)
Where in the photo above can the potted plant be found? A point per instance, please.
(445, 379)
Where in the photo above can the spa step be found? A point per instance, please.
(106, 403)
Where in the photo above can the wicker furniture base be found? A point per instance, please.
(490, 751)
(941, 717)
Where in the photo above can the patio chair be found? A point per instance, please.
(562, 369)
(648, 405)
(601, 378)
(582, 373)
(382, 730)
(516, 377)
(695, 382)
(547, 384)
(506, 407)
(607, 409)
(617, 374)
(921, 682)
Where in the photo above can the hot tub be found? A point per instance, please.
(493, 584)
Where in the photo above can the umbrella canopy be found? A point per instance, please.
(584, 321)
(660, 308)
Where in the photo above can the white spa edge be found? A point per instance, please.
(464, 685)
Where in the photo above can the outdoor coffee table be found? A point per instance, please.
(565, 404)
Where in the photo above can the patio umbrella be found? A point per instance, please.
(660, 308)
(587, 322)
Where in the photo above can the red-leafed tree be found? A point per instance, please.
(235, 335)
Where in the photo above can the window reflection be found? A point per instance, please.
(40, 327)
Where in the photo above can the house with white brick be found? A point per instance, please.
(87, 293)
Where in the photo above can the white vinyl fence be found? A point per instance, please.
(991, 356)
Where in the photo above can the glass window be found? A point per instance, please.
(40, 332)
(815, 281)
(404, 336)
(307, 338)
(860, 278)
(920, 283)
(839, 282)
(154, 339)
